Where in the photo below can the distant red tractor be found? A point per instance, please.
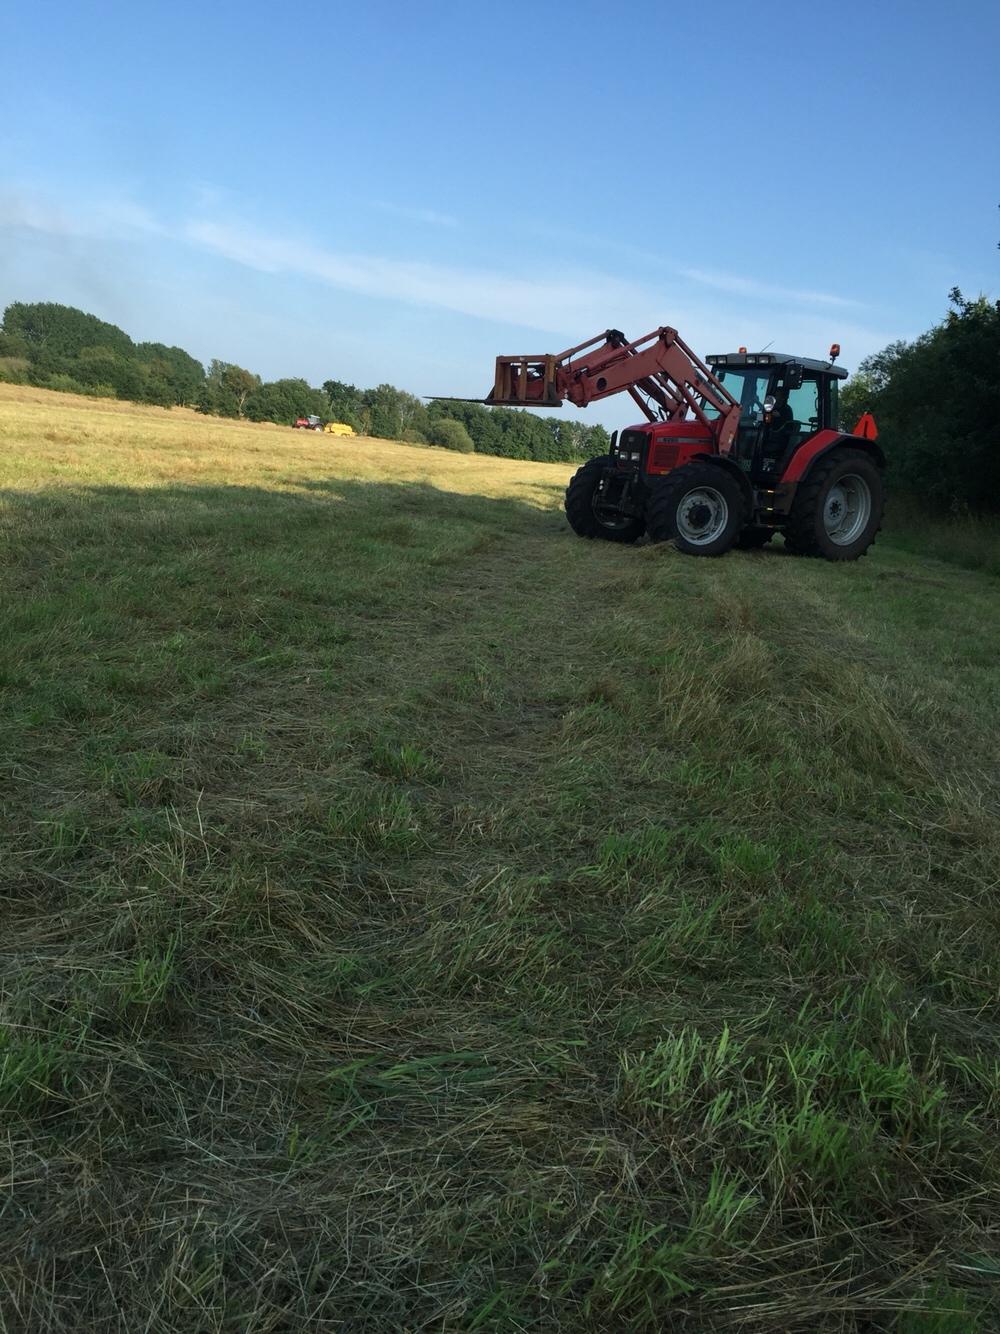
(731, 453)
(308, 424)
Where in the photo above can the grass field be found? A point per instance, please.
(417, 918)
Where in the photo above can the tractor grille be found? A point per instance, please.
(664, 455)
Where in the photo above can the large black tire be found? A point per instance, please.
(753, 538)
(700, 507)
(587, 521)
(837, 510)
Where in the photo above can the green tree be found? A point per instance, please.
(392, 412)
(62, 330)
(238, 384)
(451, 434)
(159, 391)
(525, 436)
(103, 365)
(518, 434)
(345, 403)
(14, 345)
(936, 402)
(44, 362)
(183, 376)
(594, 441)
(481, 424)
(66, 346)
(226, 389)
(282, 401)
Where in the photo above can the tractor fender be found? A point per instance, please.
(734, 469)
(821, 444)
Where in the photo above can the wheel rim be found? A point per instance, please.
(702, 516)
(847, 509)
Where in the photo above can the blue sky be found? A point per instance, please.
(399, 192)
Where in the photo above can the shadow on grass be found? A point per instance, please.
(287, 535)
(289, 495)
(292, 533)
(174, 584)
(969, 541)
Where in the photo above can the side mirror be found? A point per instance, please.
(614, 442)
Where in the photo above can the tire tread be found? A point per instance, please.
(580, 511)
(662, 508)
(802, 532)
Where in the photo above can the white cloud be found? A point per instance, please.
(413, 213)
(112, 218)
(563, 304)
(737, 286)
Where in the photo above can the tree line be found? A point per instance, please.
(937, 406)
(59, 347)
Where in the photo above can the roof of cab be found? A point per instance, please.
(777, 359)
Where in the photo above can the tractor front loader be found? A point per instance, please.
(732, 451)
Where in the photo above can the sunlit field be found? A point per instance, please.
(417, 918)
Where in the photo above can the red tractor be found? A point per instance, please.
(731, 452)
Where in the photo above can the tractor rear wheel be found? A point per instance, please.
(699, 507)
(837, 510)
(588, 517)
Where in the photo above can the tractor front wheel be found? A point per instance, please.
(699, 507)
(837, 510)
(588, 517)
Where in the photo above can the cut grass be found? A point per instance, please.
(416, 918)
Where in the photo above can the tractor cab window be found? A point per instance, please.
(804, 405)
(749, 387)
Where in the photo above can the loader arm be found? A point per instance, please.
(667, 380)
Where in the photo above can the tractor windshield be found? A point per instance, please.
(748, 385)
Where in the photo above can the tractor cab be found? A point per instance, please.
(783, 400)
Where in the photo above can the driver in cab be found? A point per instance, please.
(780, 423)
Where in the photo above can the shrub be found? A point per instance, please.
(451, 434)
(411, 437)
(65, 384)
(158, 392)
(13, 345)
(14, 370)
